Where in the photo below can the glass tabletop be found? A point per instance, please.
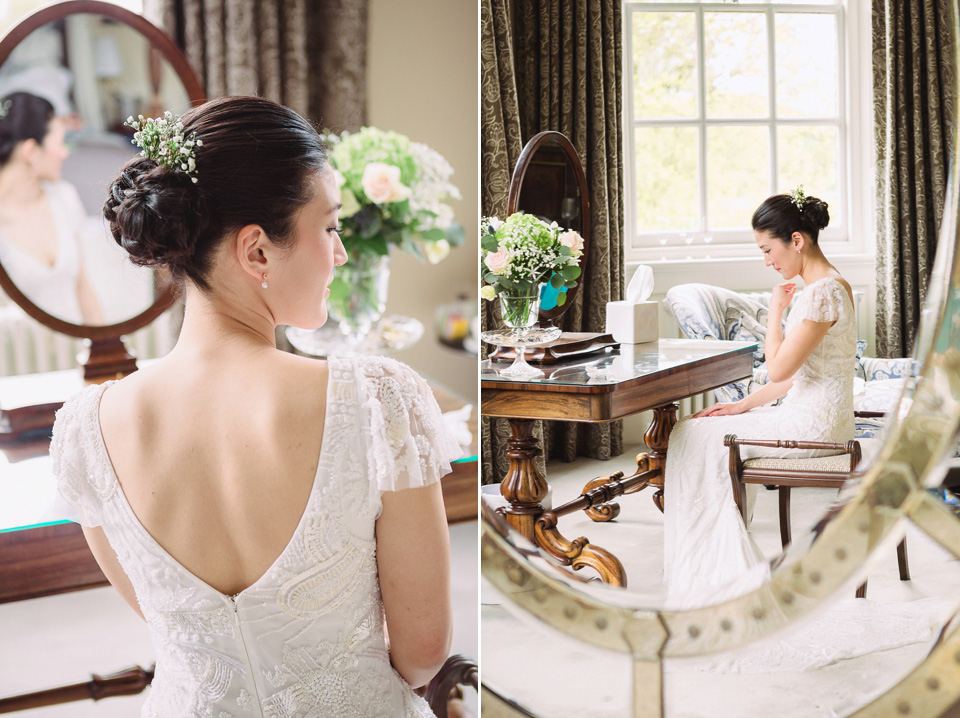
(631, 361)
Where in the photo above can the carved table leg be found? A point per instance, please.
(607, 511)
(656, 437)
(579, 552)
(523, 486)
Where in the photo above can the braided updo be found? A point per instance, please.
(779, 216)
(255, 166)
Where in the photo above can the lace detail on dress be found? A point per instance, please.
(307, 638)
(409, 444)
(81, 480)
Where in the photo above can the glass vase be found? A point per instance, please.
(366, 277)
(519, 311)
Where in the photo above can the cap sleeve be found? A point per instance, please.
(409, 444)
(823, 303)
(80, 496)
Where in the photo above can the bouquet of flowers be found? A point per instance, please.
(394, 194)
(519, 254)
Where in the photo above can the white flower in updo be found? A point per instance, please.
(573, 240)
(381, 183)
(488, 292)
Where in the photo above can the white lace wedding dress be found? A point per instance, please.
(709, 555)
(307, 638)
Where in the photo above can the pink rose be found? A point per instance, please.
(572, 240)
(381, 183)
(497, 261)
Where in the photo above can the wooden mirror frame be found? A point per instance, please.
(107, 356)
(516, 185)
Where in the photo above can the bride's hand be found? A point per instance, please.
(781, 296)
(721, 409)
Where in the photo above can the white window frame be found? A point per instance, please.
(855, 159)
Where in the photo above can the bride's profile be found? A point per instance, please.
(276, 520)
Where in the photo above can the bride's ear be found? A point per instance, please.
(249, 245)
(798, 241)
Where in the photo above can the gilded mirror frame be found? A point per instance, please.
(105, 339)
(526, 159)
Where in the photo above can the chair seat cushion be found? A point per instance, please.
(838, 462)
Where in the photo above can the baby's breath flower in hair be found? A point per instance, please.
(162, 140)
(798, 197)
(4, 108)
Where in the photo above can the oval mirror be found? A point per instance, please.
(94, 64)
(549, 182)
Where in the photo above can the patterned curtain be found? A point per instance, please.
(500, 147)
(564, 69)
(914, 111)
(308, 55)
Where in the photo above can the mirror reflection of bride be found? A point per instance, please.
(272, 517)
(40, 214)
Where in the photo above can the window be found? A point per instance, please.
(727, 103)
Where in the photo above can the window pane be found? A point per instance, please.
(666, 178)
(808, 156)
(807, 72)
(736, 64)
(664, 64)
(738, 172)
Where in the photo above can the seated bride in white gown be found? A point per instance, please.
(709, 555)
(272, 517)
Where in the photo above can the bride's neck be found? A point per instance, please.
(216, 327)
(815, 266)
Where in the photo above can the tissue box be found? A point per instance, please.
(633, 323)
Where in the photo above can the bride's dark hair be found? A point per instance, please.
(781, 217)
(255, 166)
(25, 117)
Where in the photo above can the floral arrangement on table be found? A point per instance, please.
(394, 194)
(521, 253)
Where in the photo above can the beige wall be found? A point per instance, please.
(422, 70)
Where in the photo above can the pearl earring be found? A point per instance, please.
(264, 282)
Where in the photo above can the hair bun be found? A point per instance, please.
(153, 214)
(815, 211)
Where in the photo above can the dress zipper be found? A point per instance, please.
(243, 643)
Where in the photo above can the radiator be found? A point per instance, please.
(28, 347)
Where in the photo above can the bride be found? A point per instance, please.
(709, 555)
(271, 517)
(811, 367)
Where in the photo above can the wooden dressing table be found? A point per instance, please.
(641, 377)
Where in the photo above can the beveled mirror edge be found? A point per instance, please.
(516, 184)
(162, 42)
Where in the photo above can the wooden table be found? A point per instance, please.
(42, 554)
(641, 377)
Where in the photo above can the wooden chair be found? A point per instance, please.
(443, 691)
(825, 471)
